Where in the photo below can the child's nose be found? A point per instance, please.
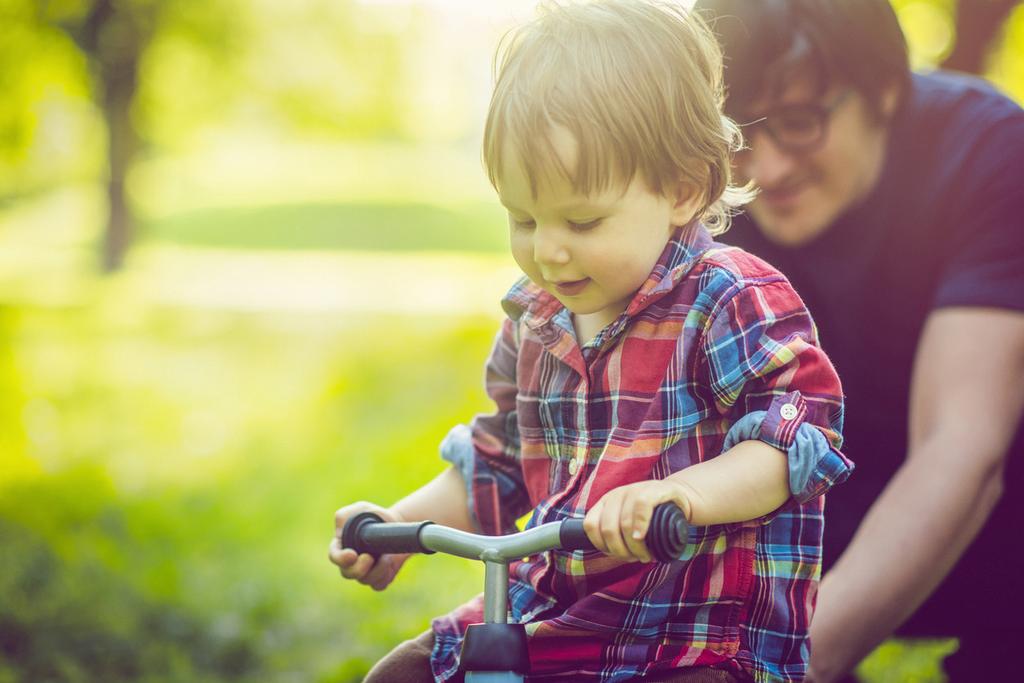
(548, 247)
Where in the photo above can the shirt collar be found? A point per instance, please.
(536, 307)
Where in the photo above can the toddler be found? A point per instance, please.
(640, 363)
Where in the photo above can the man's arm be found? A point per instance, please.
(967, 396)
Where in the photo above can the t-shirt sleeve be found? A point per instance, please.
(986, 264)
(772, 380)
(487, 451)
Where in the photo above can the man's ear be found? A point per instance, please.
(689, 198)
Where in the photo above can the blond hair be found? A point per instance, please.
(638, 84)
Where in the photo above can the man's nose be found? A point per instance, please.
(765, 162)
(549, 245)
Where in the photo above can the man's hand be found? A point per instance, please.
(618, 523)
(362, 567)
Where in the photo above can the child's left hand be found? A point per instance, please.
(618, 523)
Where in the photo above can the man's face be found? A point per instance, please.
(804, 189)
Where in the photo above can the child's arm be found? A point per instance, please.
(442, 500)
(760, 359)
(745, 482)
(485, 455)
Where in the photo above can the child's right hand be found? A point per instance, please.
(362, 567)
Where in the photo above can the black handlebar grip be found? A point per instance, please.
(367, 533)
(572, 536)
(667, 533)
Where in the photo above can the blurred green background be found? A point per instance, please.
(293, 309)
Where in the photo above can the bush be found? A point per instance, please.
(74, 609)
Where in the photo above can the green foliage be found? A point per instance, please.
(1007, 65)
(72, 613)
(907, 662)
(309, 68)
(43, 127)
(359, 226)
(316, 70)
(146, 554)
(12, 435)
(322, 69)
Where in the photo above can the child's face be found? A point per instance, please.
(591, 252)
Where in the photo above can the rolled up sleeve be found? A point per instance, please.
(770, 376)
(486, 452)
(814, 464)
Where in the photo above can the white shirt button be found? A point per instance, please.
(788, 411)
(574, 466)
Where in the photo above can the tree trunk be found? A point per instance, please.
(122, 143)
(977, 25)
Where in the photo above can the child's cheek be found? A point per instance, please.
(522, 252)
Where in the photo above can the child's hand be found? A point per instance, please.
(362, 567)
(618, 523)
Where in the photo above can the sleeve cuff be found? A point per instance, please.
(457, 448)
(783, 419)
(814, 466)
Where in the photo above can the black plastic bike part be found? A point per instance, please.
(666, 535)
(368, 533)
(571, 536)
(495, 647)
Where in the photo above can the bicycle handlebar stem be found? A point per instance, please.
(495, 592)
(492, 548)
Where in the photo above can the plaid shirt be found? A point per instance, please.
(714, 348)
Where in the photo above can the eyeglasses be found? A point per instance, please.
(796, 128)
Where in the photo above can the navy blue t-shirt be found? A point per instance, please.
(943, 227)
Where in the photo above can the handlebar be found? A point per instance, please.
(367, 532)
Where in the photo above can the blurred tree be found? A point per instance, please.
(978, 23)
(115, 36)
(112, 34)
(160, 70)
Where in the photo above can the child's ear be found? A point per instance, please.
(890, 100)
(689, 198)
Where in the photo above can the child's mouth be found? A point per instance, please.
(572, 287)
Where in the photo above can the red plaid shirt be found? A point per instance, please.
(714, 348)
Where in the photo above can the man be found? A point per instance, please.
(895, 204)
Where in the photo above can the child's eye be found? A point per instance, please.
(525, 224)
(583, 226)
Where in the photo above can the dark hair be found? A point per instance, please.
(767, 43)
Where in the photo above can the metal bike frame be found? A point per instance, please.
(496, 642)
(496, 552)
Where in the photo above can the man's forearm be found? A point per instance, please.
(908, 542)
